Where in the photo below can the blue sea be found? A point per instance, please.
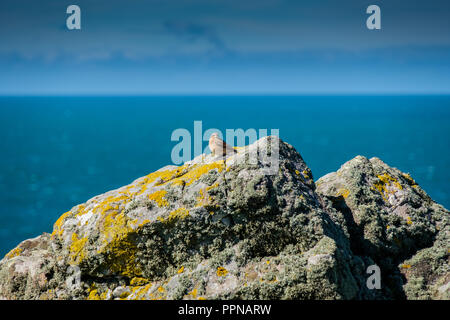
(57, 152)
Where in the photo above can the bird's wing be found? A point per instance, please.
(222, 145)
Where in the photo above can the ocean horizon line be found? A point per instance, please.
(187, 95)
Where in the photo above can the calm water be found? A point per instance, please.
(59, 152)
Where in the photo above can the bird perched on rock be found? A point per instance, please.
(218, 146)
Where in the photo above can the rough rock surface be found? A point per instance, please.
(391, 220)
(226, 229)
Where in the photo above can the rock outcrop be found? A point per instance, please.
(237, 229)
(388, 218)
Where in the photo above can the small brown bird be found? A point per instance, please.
(218, 146)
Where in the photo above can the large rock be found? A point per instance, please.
(239, 228)
(389, 218)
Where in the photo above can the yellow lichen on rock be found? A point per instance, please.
(343, 192)
(389, 180)
(215, 185)
(110, 206)
(221, 271)
(143, 223)
(204, 198)
(80, 210)
(158, 197)
(13, 253)
(121, 258)
(410, 179)
(93, 295)
(306, 174)
(193, 293)
(111, 203)
(201, 198)
(115, 225)
(118, 247)
(57, 227)
(138, 281)
(161, 177)
(197, 171)
(136, 292)
(174, 216)
(178, 214)
(114, 231)
(77, 249)
(408, 220)
(386, 180)
(140, 292)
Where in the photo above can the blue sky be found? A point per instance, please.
(224, 47)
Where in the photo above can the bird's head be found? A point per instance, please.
(214, 135)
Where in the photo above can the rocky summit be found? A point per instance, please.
(234, 228)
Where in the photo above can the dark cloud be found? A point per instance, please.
(196, 32)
